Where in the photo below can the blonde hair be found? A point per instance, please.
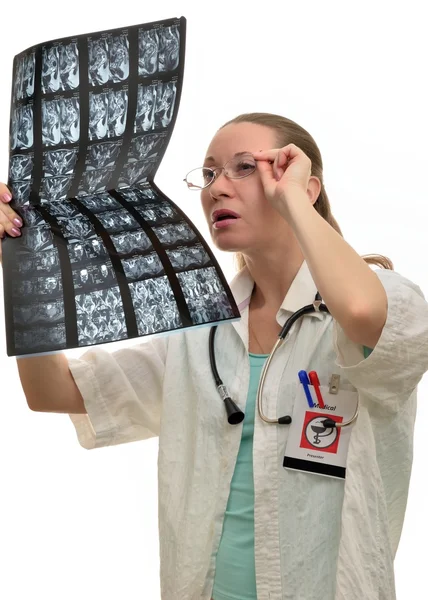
(289, 132)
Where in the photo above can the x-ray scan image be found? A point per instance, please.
(78, 229)
(119, 58)
(131, 196)
(59, 162)
(13, 135)
(158, 50)
(39, 312)
(155, 306)
(145, 146)
(51, 123)
(205, 295)
(158, 213)
(171, 235)
(32, 217)
(145, 193)
(24, 127)
(40, 338)
(140, 195)
(24, 77)
(70, 120)
(189, 257)
(36, 239)
(95, 181)
(42, 262)
(98, 68)
(50, 70)
(169, 48)
(21, 191)
(130, 242)
(69, 66)
(144, 117)
(92, 276)
(100, 203)
(165, 100)
(90, 120)
(98, 114)
(102, 155)
(136, 172)
(55, 188)
(64, 209)
(21, 166)
(39, 286)
(143, 267)
(100, 317)
(148, 49)
(117, 110)
(117, 220)
(87, 250)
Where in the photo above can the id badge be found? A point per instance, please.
(311, 446)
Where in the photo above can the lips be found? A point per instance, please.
(222, 214)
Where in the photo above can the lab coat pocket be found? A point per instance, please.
(317, 443)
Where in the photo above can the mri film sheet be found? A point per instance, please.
(104, 255)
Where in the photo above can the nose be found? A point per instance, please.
(221, 187)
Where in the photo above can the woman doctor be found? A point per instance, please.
(233, 522)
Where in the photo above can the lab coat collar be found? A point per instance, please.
(301, 292)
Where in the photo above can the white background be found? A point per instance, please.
(83, 525)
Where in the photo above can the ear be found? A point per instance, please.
(314, 189)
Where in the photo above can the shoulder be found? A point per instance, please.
(395, 283)
(395, 366)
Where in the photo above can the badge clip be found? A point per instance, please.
(334, 384)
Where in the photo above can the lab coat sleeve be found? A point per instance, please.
(400, 358)
(122, 392)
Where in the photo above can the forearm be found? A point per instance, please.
(352, 291)
(48, 384)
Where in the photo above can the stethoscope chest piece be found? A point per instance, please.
(234, 413)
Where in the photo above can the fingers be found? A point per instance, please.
(289, 152)
(277, 157)
(268, 155)
(266, 175)
(10, 222)
(279, 164)
(274, 160)
(5, 195)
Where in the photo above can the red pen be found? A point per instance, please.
(313, 378)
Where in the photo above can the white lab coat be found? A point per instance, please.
(315, 537)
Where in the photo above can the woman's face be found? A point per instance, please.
(258, 224)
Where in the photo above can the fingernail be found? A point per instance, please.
(16, 231)
(7, 197)
(18, 222)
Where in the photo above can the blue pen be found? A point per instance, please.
(304, 380)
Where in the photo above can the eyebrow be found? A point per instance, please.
(211, 158)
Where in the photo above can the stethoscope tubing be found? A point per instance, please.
(235, 415)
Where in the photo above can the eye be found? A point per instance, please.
(208, 175)
(244, 167)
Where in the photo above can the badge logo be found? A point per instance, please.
(317, 436)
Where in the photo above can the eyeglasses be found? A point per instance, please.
(236, 168)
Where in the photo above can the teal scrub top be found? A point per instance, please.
(235, 575)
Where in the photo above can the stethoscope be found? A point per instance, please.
(234, 413)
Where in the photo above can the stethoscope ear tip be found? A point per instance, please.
(329, 423)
